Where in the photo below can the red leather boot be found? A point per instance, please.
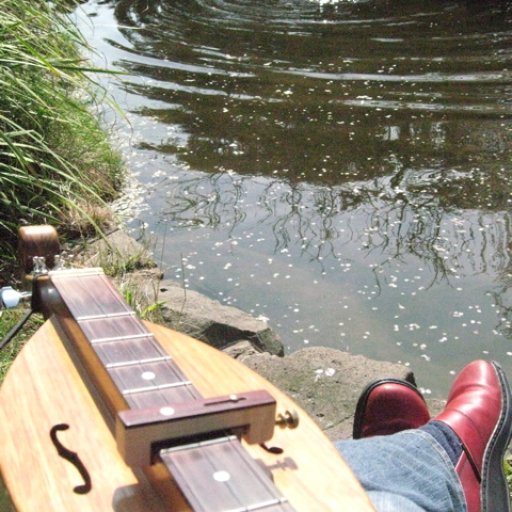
(388, 406)
(478, 411)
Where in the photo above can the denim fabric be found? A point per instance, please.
(405, 472)
(446, 437)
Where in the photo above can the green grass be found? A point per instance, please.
(8, 319)
(56, 165)
(5, 501)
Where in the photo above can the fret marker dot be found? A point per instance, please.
(221, 476)
(167, 411)
(148, 375)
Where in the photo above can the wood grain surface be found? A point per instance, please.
(43, 389)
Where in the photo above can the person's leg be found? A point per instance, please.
(479, 412)
(388, 406)
(406, 472)
(454, 462)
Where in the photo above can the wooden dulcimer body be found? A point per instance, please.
(103, 412)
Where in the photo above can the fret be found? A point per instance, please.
(80, 293)
(161, 373)
(159, 387)
(113, 327)
(162, 397)
(120, 353)
(66, 273)
(155, 383)
(173, 387)
(95, 341)
(229, 479)
(138, 361)
(276, 505)
(198, 444)
(121, 341)
(104, 316)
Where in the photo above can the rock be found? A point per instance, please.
(241, 349)
(181, 309)
(324, 381)
(116, 253)
(209, 320)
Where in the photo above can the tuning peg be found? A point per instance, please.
(290, 419)
(60, 261)
(39, 267)
(10, 298)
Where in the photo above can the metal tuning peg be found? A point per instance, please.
(290, 419)
(39, 268)
(10, 298)
(59, 262)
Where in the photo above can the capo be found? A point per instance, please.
(139, 430)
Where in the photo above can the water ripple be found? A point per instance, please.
(342, 167)
(373, 42)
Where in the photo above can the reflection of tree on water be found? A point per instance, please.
(503, 303)
(399, 219)
(389, 225)
(315, 231)
(242, 107)
(207, 201)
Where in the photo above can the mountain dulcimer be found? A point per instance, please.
(101, 412)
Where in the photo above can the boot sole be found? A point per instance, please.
(495, 496)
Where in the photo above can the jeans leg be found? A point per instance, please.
(405, 472)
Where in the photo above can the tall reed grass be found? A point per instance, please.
(56, 165)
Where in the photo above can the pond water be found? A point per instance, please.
(341, 168)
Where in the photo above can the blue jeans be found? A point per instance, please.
(405, 472)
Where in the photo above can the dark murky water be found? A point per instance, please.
(341, 168)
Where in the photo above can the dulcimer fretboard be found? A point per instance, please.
(130, 371)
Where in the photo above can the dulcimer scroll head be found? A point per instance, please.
(37, 241)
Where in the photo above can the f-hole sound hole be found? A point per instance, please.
(71, 457)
